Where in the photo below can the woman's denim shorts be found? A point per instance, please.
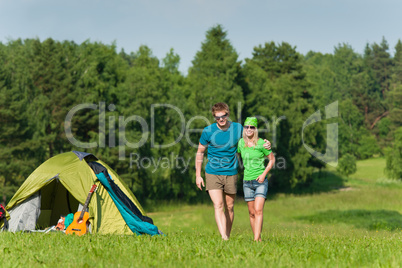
(253, 188)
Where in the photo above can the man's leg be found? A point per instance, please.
(229, 212)
(220, 218)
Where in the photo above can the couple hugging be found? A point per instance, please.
(223, 140)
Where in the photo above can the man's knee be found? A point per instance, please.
(229, 208)
(218, 205)
(229, 202)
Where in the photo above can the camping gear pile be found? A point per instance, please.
(3, 218)
(61, 185)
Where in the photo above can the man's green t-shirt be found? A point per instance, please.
(253, 159)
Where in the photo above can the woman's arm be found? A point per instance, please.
(271, 163)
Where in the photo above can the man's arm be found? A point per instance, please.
(198, 164)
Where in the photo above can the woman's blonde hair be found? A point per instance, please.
(253, 140)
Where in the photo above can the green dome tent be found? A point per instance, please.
(60, 184)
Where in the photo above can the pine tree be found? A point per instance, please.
(395, 94)
(19, 151)
(277, 86)
(378, 65)
(215, 76)
(141, 89)
(49, 92)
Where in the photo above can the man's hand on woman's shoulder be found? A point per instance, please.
(267, 144)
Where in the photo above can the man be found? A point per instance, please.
(221, 140)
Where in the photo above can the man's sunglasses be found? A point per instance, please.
(250, 127)
(221, 117)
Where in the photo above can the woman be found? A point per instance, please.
(255, 183)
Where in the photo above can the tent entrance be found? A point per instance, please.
(55, 201)
(43, 208)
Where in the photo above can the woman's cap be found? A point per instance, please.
(251, 121)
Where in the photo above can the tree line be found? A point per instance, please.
(143, 117)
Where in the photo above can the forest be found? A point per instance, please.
(143, 117)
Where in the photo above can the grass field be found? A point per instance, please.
(354, 222)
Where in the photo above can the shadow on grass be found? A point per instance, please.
(368, 219)
(321, 182)
(324, 181)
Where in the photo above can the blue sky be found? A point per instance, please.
(317, 25)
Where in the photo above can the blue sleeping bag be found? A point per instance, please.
(135, 224)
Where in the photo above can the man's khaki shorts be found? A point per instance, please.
(227, 183)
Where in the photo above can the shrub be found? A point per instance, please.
(394, 157)
(347, 165)
(367, 147)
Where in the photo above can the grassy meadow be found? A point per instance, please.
(338, 222)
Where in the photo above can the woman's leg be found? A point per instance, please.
(258, 208)
(251, 213)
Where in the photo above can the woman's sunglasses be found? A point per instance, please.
(249, 127)
(221, 117)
